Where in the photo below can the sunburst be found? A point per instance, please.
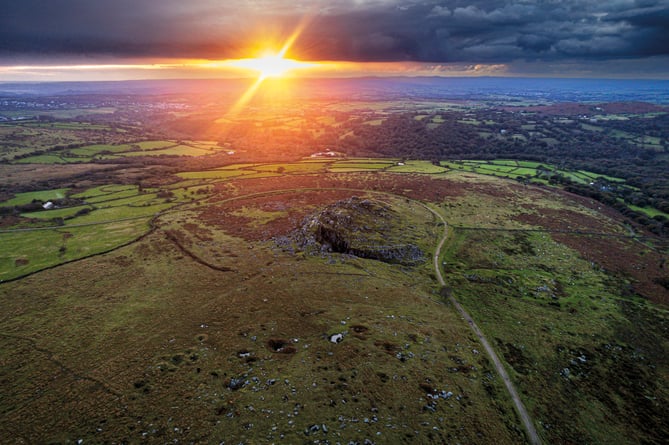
(270, 65)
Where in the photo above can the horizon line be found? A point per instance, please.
(343, 78)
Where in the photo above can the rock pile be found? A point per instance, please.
(362, 227)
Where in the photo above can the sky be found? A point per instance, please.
(122, 39)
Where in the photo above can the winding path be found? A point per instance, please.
(520, 408)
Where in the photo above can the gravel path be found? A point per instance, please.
(520, 408)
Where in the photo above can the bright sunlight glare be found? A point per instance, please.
(269, 65)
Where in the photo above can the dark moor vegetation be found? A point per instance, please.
(217, 283)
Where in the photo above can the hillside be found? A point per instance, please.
(171, 273)
(215, 324)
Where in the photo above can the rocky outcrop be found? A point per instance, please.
(362, 227)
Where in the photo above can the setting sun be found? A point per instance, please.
(269, 65)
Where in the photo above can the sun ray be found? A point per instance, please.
(294, 36)
(245, 99)
(271, 65)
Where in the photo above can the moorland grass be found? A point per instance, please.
(187, 317)
(573, 311)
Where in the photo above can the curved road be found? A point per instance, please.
(520, 408)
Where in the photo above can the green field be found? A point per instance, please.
(215, 174)
(116, 213)
(65, 213)
(154, 145)
(93, 196)
(298, 168)
(33, 250)
(311, 166)
(94, 152)
(103, 190)
(509, 168)
(648, 211)
(362, 165)
(32, 141)
(28, 197)
(523, 171)
(417, 167)
(176, 150)
(47, 159)
(526, 170)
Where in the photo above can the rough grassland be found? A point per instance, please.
(213, 328)
(567, 334)
(162, 357)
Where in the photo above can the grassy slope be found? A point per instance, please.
(574, 338)
(166, 350)
(157, 354)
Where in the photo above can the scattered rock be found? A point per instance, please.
(312, 429)
(243, 353)
(431, 407)
(404, 356)
(236, 384)
(336, 338)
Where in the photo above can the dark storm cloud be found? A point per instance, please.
(373, 30)
(145, 28)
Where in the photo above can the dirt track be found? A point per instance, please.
(520, 408)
